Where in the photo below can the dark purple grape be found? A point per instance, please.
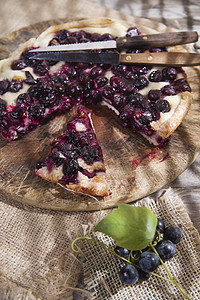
(146, 117)
(123, 252)
(117, 82)
(166, 249)
(173, 233)
(95, 96)
(108, 92)
(62, 35)
(23, 98)
(148, 261)
(70, 167)
(181, 85)
(39, 165)
(29, 78)
(129, 274)
(160, 225)
(162, 105)
(101, 81)
(83, 78)
(36, 111)
(89, 154)
(69, 40)
(71, 72)
(155, 76)
(4, 123)
(141, 82)
(95, 72)
(143, 276)
(95, 37)
(17, 112)
(169, 74)
(168, 90)
(106, 37)
(2, 107)
(26, 57)
(4, 86)
(74, 89)
(154, 95)
(41, 68)
(15, 86)
(18, 64)
(118, 100)
(81, 34)
(58, 161)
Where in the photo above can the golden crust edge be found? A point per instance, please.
(166, 128)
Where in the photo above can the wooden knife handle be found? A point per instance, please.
(157, 40)
(162, 58)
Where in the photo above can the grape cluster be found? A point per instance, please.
(146, 260)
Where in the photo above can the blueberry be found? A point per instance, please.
(129, 274)
(148, 261)
(166, 249)
(173, 233)
(160, 225)
(123, 252)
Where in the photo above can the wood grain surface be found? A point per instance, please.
(135, 169)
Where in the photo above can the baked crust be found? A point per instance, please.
(96, 185)
(166, 128)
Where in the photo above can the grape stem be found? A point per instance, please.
(168, 273)
(91, 240)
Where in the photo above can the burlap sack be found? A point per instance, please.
(36, 260)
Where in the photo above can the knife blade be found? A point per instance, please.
(158, 58)
(141, 41)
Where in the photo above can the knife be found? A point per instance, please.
(157, 58)
(141, 41)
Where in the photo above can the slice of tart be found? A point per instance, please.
(76, 158)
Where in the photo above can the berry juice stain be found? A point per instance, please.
(158, 154)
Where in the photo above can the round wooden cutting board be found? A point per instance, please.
(135, 168)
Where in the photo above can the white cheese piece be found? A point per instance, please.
(80, 126)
